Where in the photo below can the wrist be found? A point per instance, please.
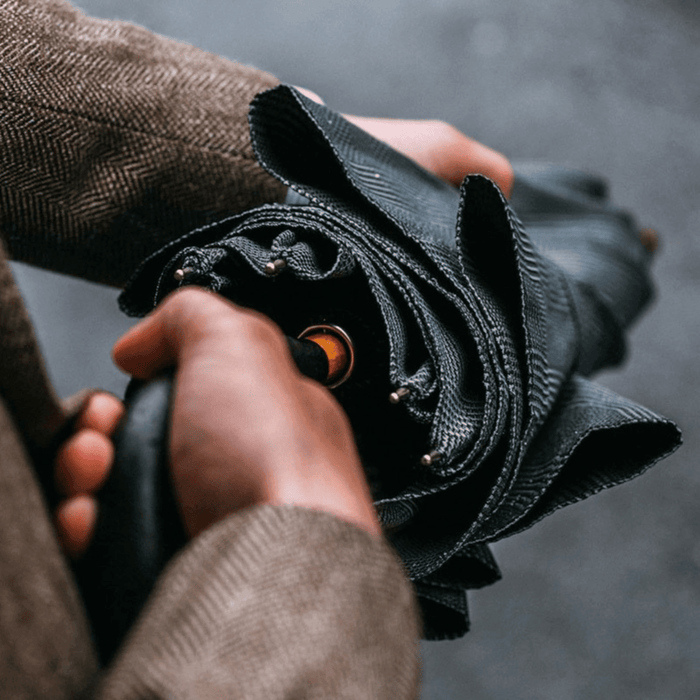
(341, 493)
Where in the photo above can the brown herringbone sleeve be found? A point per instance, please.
(24, 384)
(45, 646)
(276, 603)
(114, 140)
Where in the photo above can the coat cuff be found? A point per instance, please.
(274, 599)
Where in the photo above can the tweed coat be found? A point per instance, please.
(113, 141)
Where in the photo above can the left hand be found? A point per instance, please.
(82, 465)
(437, 146)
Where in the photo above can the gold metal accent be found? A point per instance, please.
(346, 341)
(650, 239)
(433, 457)
(399, 394)
(182, 273)
(275, 267)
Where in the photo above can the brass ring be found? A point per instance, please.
(340, 334)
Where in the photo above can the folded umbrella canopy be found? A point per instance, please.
(487, 314)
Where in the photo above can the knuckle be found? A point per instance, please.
(441, 127)
(185, 304)
(196, 314)
(260, 328)
(194, 298)
(193, 314)
(448, 133)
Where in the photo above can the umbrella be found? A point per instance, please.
(477, 323)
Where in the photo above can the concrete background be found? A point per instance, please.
(601, 600)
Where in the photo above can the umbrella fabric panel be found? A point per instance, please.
(490, 317)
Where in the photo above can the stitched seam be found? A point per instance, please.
(124, 127)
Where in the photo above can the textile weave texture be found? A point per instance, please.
(492, 319)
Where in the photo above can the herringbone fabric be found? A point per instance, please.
(114, 139)
(275, 602)
(491, 325)
(24, 384)
(45, 645)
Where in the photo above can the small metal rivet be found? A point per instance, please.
(400, 393)
(650, 239)
(275, 267)
(431, 458)
(182, 273)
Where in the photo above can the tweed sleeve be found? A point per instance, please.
(114, 140)
(275, 602)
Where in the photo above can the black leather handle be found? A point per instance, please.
(139, 528)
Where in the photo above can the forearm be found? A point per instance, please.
(116, 140)
(275, 602)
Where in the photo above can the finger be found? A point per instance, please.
(467, 156)
(153, 344)
(440, 148)
(144, 349)
(310, 94)
(83, 462)
(183, 323)
(75, 520)
(102, 413)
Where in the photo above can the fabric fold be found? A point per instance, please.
(490, 318)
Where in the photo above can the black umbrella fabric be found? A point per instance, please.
(490, 323)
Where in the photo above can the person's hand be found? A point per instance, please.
(437, 146)
(247, 428)
(440, 148)
(81, 467)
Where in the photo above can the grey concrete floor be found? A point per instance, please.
(602, 600)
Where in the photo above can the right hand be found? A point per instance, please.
(247, 427)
